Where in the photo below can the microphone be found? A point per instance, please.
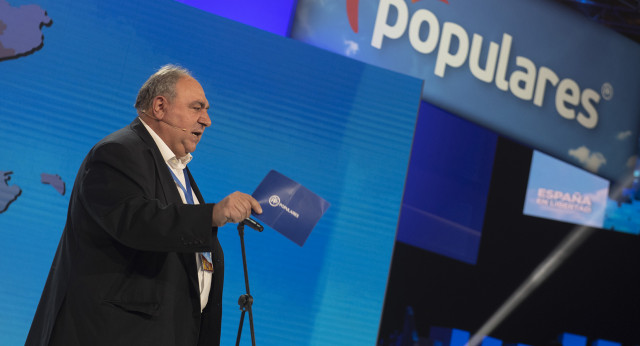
(175, 127)
(164, 121)
(253, 224)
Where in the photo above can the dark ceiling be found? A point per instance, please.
(622, 16)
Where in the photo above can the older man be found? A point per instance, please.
(139, 262)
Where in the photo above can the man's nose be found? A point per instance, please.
(205, 120)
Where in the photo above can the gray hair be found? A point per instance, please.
(161, 83)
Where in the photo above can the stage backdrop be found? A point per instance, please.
(340, 127)
(531, 70)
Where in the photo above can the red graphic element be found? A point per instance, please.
(352, 12)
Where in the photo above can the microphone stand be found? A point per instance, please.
(246, 300)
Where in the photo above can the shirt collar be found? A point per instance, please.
(169, 157)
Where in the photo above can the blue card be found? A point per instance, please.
(288, 207)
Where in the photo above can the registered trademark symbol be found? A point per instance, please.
(607, 91)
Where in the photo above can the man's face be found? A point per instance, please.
(188, 110)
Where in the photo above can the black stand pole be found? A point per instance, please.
(246, 300)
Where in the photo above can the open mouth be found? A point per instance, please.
(197, 133)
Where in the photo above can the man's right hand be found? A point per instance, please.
(234, 208)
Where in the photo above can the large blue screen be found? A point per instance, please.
(447, 185)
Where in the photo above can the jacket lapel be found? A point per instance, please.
(167, 184)
(194, 186)
(171, 195)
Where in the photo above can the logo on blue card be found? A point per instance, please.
(289, 207)
(274, 201)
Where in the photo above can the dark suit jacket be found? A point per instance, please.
(124, 272)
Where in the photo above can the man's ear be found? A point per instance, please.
(158, 107)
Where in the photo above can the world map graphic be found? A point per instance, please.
(21, 29)
(21, 35)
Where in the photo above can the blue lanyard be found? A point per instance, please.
(187, 191)
(189, 197)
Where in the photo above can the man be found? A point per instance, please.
(139, 262)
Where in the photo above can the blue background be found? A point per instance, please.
(445, 196)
